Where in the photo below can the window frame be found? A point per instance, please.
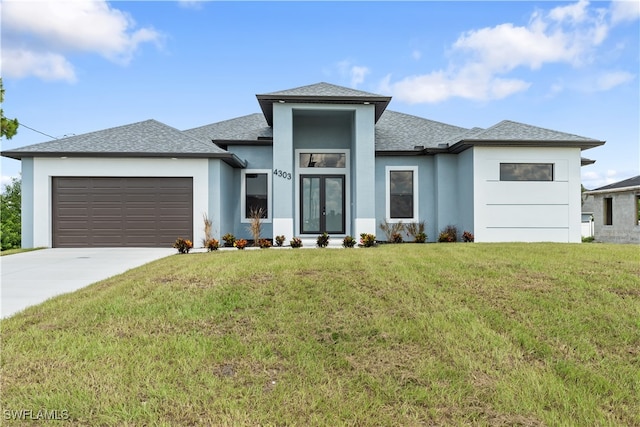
(607, 211)
(552, 165)
(414, 170)
(243, 193)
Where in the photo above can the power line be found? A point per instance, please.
(35, 130)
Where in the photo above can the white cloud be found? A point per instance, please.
(39, 34)
(576, 12)
(416, 54)
(6, 180)
(355, 73)
(482, 59)
(624, 10)
(610, 80)
(46, 66)
(191, 4)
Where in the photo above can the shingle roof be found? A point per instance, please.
(148, 138)
(508, 130)
(403, 132)
(323, 89)
(512, 133)
(322, 93)
(630, 182)
(245, 128)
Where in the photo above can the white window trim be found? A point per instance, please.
(243, 194)
(388, 171)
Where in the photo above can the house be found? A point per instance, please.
(318, 158)
(616, 211)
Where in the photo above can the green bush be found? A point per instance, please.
(367, 240)
(449, 234)
(10, 216)
(348, 242)
(323, 240)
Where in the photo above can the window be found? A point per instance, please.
(323, 160)
(638, 209)
(526, 171)
(402, 191)
(256, 186)
(608, 211)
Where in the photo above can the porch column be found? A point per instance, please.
(283, 184)
(363, 172)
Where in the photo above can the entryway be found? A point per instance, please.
(322, 204)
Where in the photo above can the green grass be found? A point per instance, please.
(17, 251)
(438, 334)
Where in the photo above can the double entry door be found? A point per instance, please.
(322, 204)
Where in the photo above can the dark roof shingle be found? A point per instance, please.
(630, 182)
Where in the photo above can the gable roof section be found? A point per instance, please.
(399, 132)
(252, 127)
(321, 93)
(149, 138)
(632, 183)
(510, 133)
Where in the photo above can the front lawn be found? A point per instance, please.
(437, 334)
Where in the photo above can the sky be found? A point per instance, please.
(71, 67)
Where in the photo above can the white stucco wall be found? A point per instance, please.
(37, 204)
(528, 211)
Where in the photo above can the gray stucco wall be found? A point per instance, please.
(426, 191)
(446, 190)
(322, 129)
(624, 228)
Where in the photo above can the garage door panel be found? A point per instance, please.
(102, 211)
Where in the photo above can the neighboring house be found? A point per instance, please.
(616, 211)
(318, 158)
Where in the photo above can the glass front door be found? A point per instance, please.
(322, 204)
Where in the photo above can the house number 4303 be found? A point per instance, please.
(282, 174)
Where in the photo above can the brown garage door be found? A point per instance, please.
(107, 212)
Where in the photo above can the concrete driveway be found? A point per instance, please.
(32, 277)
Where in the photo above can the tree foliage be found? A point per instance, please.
(10, 219)
(9, 126)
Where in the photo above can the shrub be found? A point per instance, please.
(255, 226)
(240, 243)
(467, 237)
(229, 240)
(348, 242)
(588, 239)
(280, 240)
(212, 245)
(183, 245)
(264, 243)
(323, 240)
(416, 230)
(392, 230)
(296, 242)
(396, 238)
(367, 240)
(10, 215)
(449, 234)
(207, 230)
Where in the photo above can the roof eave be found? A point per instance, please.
(465, 144)
(614, 190)
(229, 158)
(266, 102)
(224, 143)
